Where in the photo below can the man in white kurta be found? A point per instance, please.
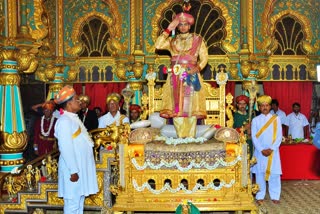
(276, 110)
(77, 171)
(113, 116)
(266, 136)
(297, 123)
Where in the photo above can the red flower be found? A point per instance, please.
(61, 111)
(217, 126)
(238, 130)
(165, 70)
(43, 179)
(136, 154)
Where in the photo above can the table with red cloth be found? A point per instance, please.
(300, 162)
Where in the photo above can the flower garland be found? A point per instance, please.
(192, 164)
(46, 134)
(176, 141)
(167, 187)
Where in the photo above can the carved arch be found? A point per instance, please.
(301, 18)
(216, 3)
(76, 48)
(269, 43)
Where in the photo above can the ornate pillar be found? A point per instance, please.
(13, 130)
(56, 85)
(17, 55)
(137, 88)
(245, 66)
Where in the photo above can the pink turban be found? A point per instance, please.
(185, 17)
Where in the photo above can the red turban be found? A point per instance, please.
(135, 107)
(66, 93)
(185, 17)
(242, 97)
(48, 105)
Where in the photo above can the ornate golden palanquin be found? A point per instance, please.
(46, 38)
(158, 175)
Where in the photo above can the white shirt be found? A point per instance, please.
(264, 141)
(108, 119)
(281, 114)
(296, 123)
(76, 156)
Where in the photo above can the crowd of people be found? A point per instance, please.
(64, 123)
(184, 99)
(48, 112)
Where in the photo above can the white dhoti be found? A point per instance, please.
(74, 206)
(274, 186)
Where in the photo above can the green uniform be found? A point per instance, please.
(240, 120)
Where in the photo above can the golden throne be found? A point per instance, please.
(158, 176)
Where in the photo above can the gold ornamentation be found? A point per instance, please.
(269, 43)
(9, 79)
(210, 90)
(127, 94)
(245, 68)
(72, 75)
(221, 78)
(234, 71)
(229, 47)
(263, 70)
(121, 71)
(145, 112)
(115, 47)
(38, 211)
(75, 50)
(303, 19)
(308, 47)
(40, 21)
(136, 86)
(137, 68)
(9, 53)
(104, 137)
(229, 110)
(11, 162)
(253, 89)
(15, 142)
(50, 71)
(255, 188)
(250, 26)
(12, 18)
(41, 75)
(27, 62)
(114, 25)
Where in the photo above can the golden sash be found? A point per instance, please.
(274, 136)
(122, 116)
(76, 134)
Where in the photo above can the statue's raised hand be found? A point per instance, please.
(173, 24)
